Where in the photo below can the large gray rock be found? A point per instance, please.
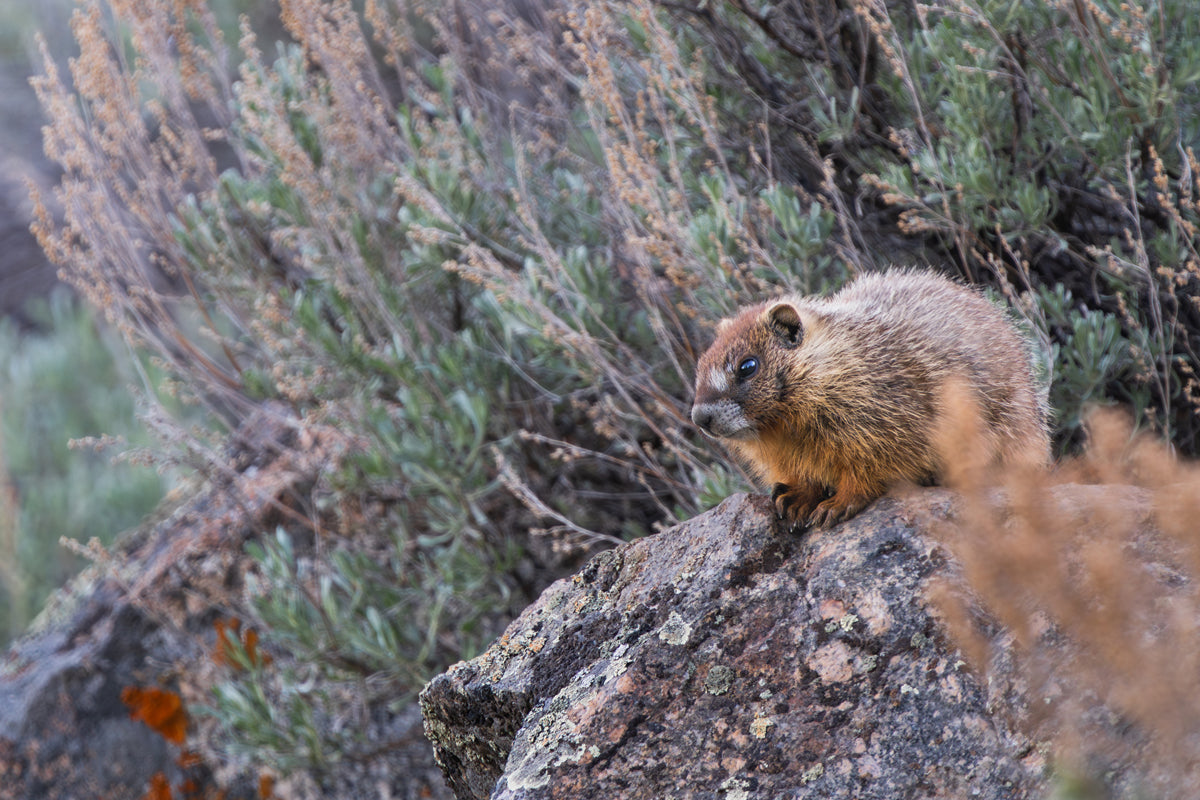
(729, 658)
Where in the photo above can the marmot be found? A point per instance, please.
(833, 400)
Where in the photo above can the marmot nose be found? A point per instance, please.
(703, 417)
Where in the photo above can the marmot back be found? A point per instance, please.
(833, 400)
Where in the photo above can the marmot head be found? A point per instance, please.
(743, 377)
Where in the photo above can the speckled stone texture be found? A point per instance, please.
(729, 658)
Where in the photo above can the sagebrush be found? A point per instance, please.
(489, 240)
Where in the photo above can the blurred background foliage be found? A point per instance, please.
(66, 374)
(488, 240)
(70, 381)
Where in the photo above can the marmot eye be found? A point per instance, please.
(747, 368)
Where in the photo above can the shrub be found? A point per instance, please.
(489, 242)
(1058, 158)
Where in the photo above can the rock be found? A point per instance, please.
(728, 658)
(63, 729)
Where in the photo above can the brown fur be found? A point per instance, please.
(849, 390)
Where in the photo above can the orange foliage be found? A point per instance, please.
(161, 710)
(228, 636)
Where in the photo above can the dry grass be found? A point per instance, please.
(1093, 573)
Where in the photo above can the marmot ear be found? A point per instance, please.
(784, 320)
